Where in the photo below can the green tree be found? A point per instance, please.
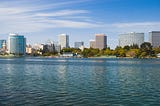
(146, 50)
(120, 52)
(90, 52)
(126, 48)
(134, 46)
(108, 52)
(156, 50)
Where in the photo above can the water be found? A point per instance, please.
(79, 82)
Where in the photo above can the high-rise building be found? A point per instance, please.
(63, 40)
(78, 44)
(92, 44)
(16, 44)
(2, 44)
(101, 41)
(131, 39)
(154, 38)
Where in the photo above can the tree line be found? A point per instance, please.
(144, 51)
(134, 51)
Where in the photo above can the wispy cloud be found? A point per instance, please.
(37, 16)
(62, 13)
(132, 27)
(137, 24)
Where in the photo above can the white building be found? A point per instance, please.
(29, 49)
(38, 46)
(92, 43)
(131, 38)
(63, 40)
(154, 38)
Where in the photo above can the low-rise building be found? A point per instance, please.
(29, 49)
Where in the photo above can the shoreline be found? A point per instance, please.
(99, 57)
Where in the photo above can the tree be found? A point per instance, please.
(132, 53)
(107, 52)
(146, 46)
(118, 48)
(134, 46)
(146, 50)
(120, 52)
(156, 50)
(126, 48)
(90, 52)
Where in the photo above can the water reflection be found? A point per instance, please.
(12, 73)
(61, 69)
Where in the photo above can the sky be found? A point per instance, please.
(43, 20)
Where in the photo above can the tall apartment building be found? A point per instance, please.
(131, 38)
(154, 38)
(63, 40)
(16, 44)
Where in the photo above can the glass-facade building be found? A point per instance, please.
(16, 44)
(132, 38)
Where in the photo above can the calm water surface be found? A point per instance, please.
(79, 82)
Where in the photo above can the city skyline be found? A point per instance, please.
(42, 20)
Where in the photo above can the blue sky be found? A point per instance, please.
(42, 20)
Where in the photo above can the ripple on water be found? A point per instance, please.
(86, 82)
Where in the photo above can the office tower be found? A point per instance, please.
(2, 44)
(16, 44)
(78, 44)
(131, 39)
(92, 44)
(154, 38)
(63, 40)
(101, 41)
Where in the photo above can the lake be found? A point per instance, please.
(79, 82)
